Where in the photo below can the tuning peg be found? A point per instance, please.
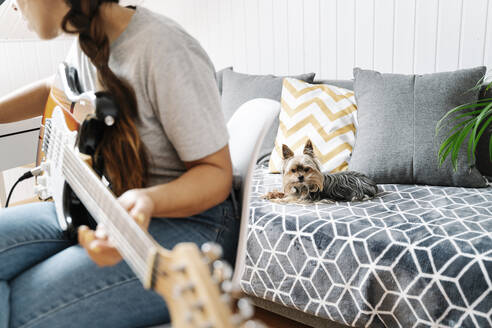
(236, 291)
(222, 271)
(212, 251)
(246, 309)
(226, 298)
(226, 286)
(231, 288)
(236, 320)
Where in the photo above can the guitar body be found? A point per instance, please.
(74, 110)
(65, 94)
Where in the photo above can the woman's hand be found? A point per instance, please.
(99, 245)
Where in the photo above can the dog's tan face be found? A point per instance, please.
(301, 173)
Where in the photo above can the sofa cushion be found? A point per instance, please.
(238, 88)
(219, 76)
(325, 114)
(397, 115)
(346, 84)
(412, 253)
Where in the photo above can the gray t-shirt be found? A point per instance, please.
(177, 96)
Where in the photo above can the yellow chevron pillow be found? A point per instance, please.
(323, 113)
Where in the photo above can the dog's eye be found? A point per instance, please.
(307, 169)
(293, 170)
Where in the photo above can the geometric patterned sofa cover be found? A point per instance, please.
(416, 256)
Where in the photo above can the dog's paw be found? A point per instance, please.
(274, 195)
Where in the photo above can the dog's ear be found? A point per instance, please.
(308, 148)
(286, 152)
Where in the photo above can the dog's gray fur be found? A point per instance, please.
(304, 181)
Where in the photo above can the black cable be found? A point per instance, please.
(25, 176)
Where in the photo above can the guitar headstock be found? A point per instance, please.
(197, 297)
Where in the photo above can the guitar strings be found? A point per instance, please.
(154, 273)
(140, 268)
(143, 238)
(133, 254)
(139, 264)
(76, 170)
(116, 209)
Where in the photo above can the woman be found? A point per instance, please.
(167, 158)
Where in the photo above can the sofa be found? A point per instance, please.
(414, 256)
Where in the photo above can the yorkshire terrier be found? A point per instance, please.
(303, 181)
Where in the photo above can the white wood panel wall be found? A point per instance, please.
(25, 61)
(23, 57)
(330, 37)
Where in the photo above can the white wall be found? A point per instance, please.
(330, 37)
(23, 57)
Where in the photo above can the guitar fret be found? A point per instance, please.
(105, 208)
(133, 260)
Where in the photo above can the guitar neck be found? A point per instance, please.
(181, 276)
(135, 245)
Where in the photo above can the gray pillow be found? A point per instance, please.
(219, 76)
(346, 84)
(238, 88)
(397, 116)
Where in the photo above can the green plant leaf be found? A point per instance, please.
(481, 132)
(473, 114)
(444, 154)
(470, 120)
(478, 85)
(471, 144)
(446, 147)
(483, 114)
(488, 86)
(454, 110)
(458, 126)
(448, 141)
(473, 141)
(457, 144)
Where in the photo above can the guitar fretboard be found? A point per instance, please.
(132, 242)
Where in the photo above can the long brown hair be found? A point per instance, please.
(122, 151)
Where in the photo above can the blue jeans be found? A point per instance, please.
(47, 280)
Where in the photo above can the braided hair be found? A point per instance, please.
(121, 143)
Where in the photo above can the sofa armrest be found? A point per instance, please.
(247, 129)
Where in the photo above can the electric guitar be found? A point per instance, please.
(181, 276)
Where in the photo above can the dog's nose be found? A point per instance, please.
(301, 178)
